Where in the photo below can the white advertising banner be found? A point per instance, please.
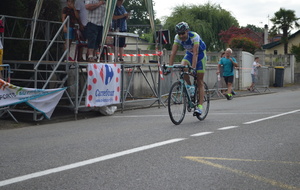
(43, 100)
(103, 87)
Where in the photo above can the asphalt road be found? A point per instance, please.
(246, 143)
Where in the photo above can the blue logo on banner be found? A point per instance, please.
(109, 74)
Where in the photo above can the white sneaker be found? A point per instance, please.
(198, 110)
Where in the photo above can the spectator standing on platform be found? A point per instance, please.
(94, 27)
(83, 14)
(119, 24)
(228, 62)
(70, 11)
(254, 73)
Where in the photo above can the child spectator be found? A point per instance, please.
(254, 73)
(70, 11)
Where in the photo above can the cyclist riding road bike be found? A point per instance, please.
(195, 56)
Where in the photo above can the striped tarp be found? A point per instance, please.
(149, 6)
(110, 8)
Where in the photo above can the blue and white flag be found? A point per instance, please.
(43, 100)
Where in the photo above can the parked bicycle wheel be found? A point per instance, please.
(205, 104)
(177, 103)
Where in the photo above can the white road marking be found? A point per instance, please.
(229, 127)
(123, 153)
(86, 162)
(201, 134)
(139, 116)
(271, 117)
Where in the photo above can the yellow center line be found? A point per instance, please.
(203, 160)
(246, 160)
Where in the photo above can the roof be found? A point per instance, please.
(276, 43)
(271, 45)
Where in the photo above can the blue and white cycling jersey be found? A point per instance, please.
(193, 38)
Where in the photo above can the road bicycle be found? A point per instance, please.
(180, 98)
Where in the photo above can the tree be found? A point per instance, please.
(254, 28)
(233, 31)
(139, 21)
(244, 43)
(207, 20)
(51, 10)
(296, 51)
(284, 20)
(234, 37)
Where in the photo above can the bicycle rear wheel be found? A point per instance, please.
(205, 104)
(177, 103)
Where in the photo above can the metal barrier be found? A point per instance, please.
(220, 85)
(132, 77)
(18, 30)
(263, 79)
(5, 72)
(5, 75)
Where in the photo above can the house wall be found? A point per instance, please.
(280, 48)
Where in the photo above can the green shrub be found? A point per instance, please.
(244, 43)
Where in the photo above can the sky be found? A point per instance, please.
(253, 12)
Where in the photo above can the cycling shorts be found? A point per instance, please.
(201, 63)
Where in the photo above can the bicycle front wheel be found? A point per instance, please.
(206, 103)
(177, 103)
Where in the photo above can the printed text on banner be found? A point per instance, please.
(103, 84)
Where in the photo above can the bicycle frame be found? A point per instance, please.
(183, 83)
(180, 98)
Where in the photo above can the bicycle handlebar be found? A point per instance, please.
(177, 66)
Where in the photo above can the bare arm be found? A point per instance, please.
(234, 63)
(63, 17)
(79, 21)
(219, 67)
(116, 17)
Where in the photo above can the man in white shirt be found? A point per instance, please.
(83, 13)
(96, 17)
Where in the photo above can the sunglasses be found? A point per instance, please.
(181, 33)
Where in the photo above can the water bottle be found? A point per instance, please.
(236, 73)
(191, 89)
(219, 77)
